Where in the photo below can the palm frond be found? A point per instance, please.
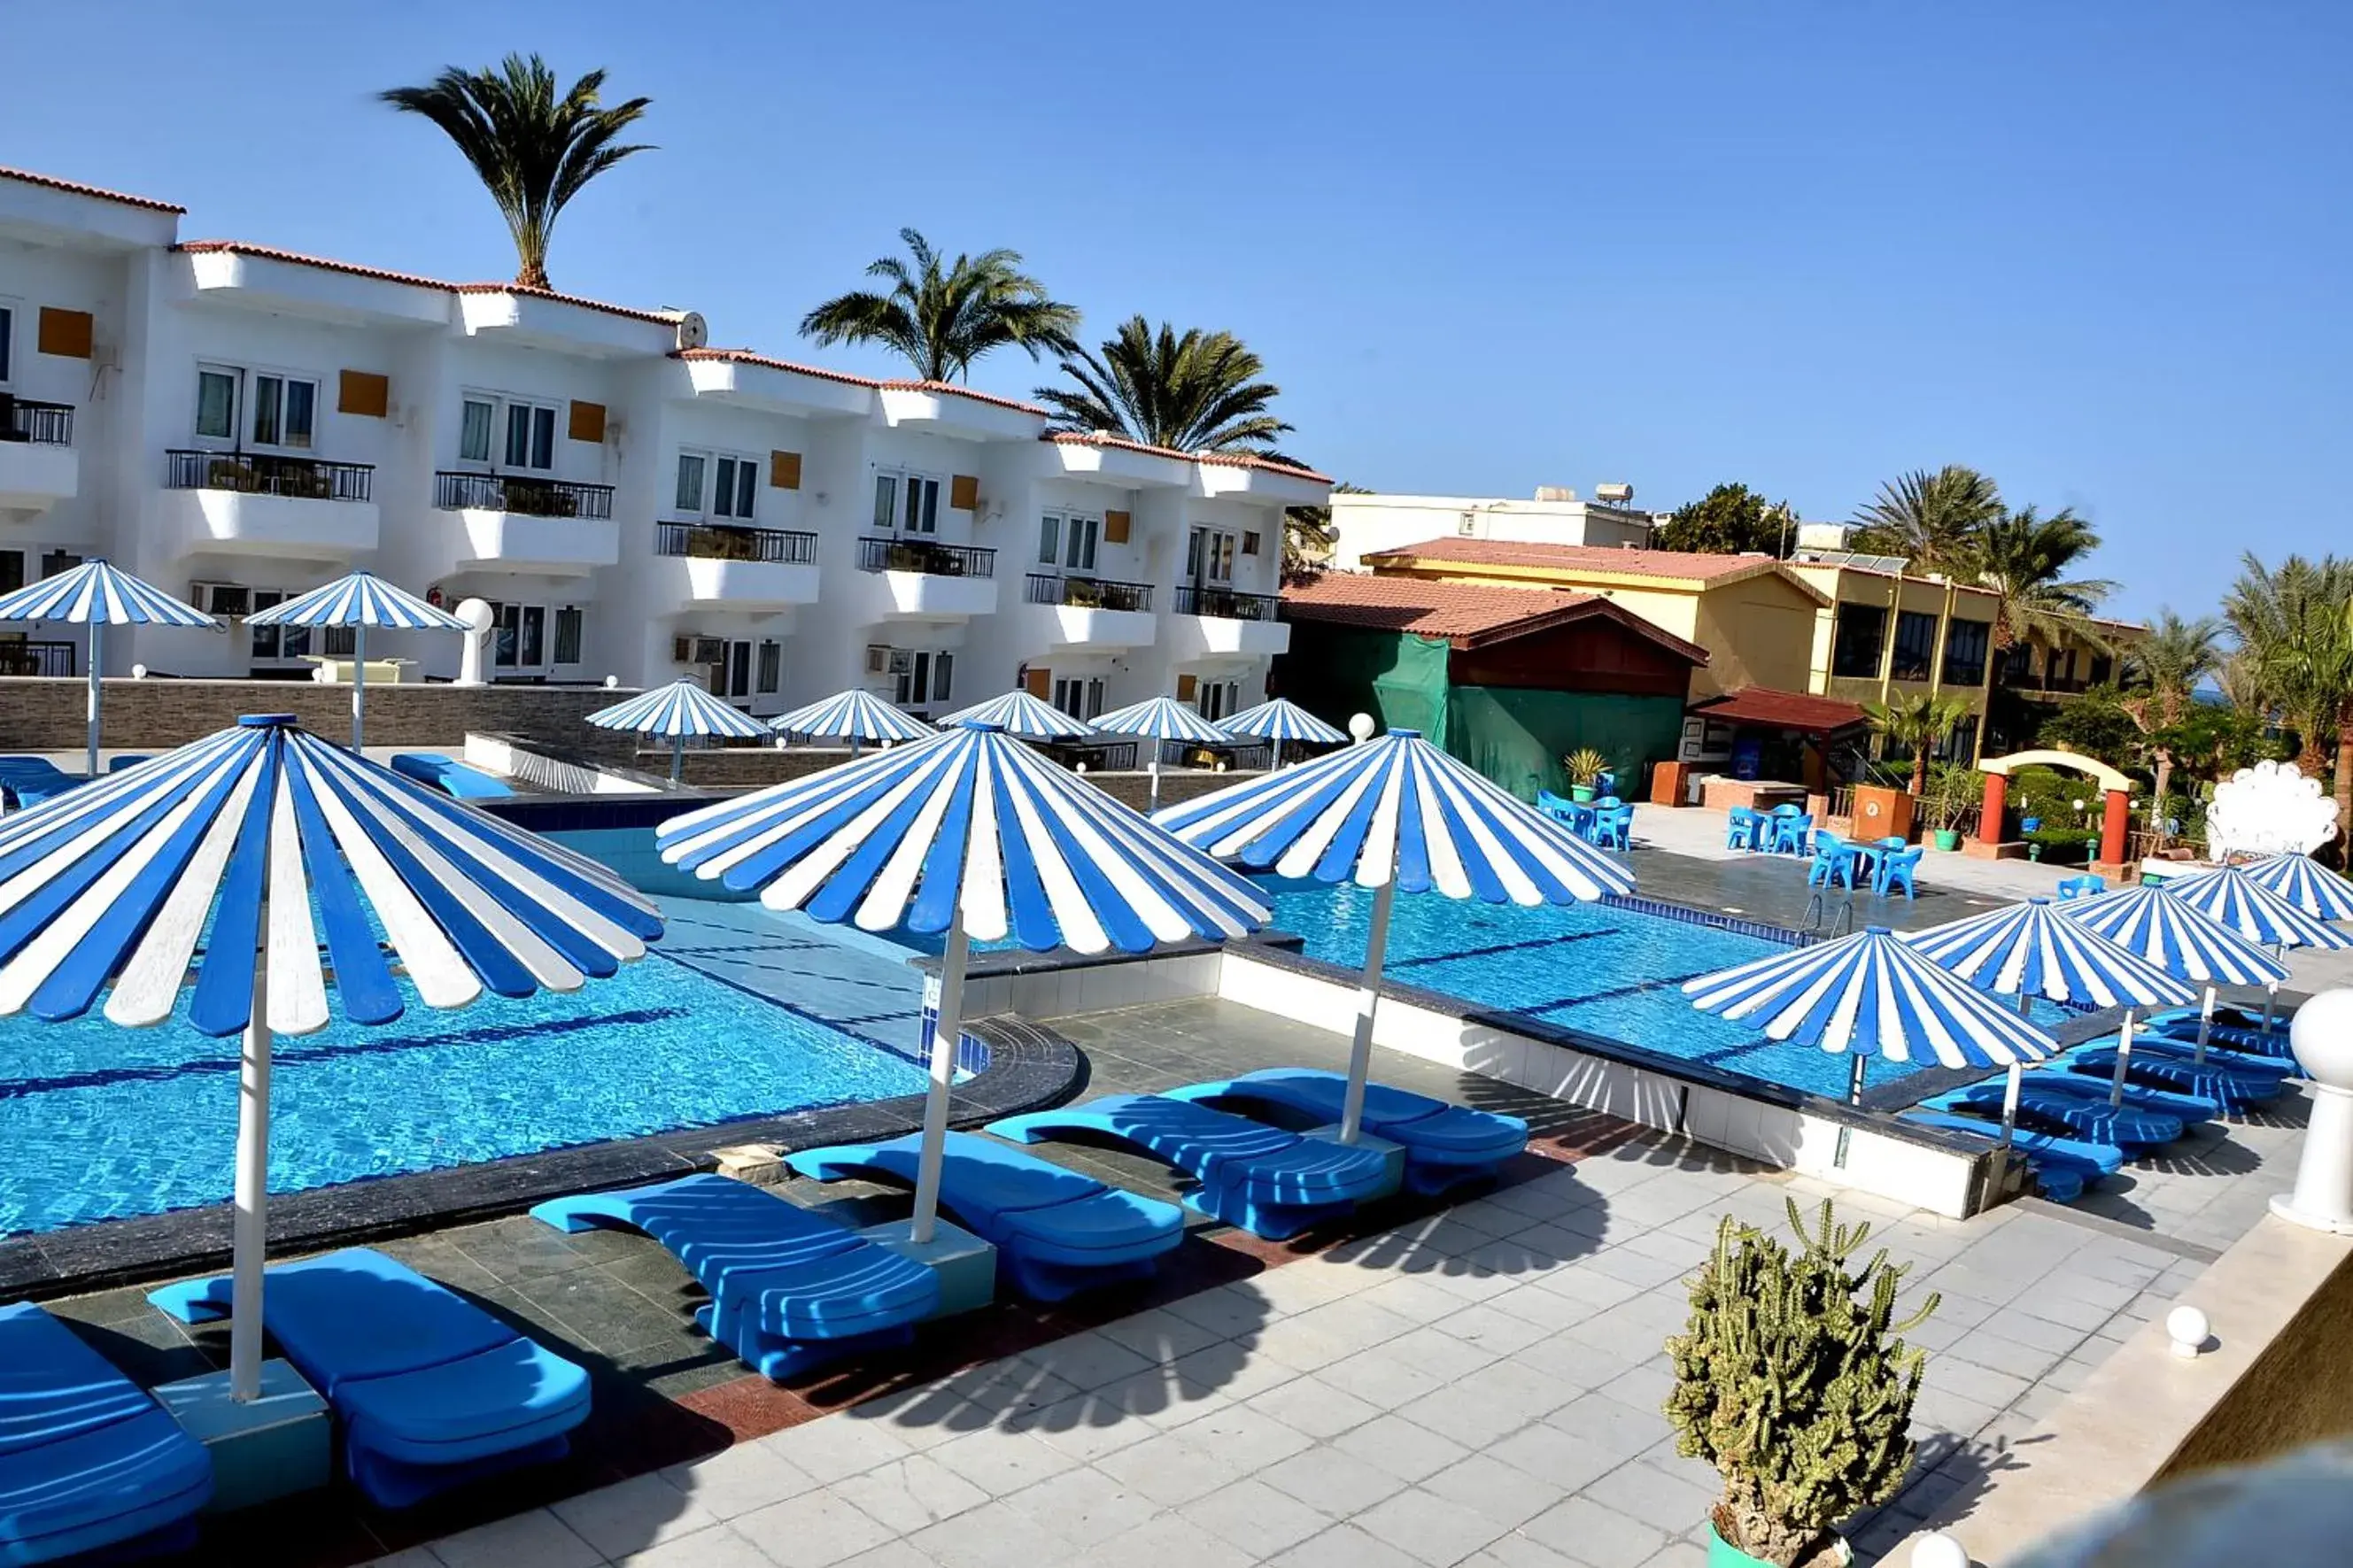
(1194, 392)
(942, 316)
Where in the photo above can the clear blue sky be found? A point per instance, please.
(2099, 250)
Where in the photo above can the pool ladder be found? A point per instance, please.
(1821, 912)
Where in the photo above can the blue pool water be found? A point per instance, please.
(1598, 968)
(100, 1122)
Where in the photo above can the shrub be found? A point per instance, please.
(1789, 1381)
(2063, 846)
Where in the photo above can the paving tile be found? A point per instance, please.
(739, 1479)
(1518, 1551)
(716, 1547)
(834, 1447)
(633, 1515)
(1000, 1463)
(1594, 1534)
(889, 1554)
(1171, 1468)
(815, 1530)
(910, 1494)
(1237, 1370)
(1330, 1480)
(1395, 1374)
(1084, 1428)
(1428, 1528)
(1467, 1417)
(994, 1535)
(1087, 1361)
(1255, 1516)
(1487, 1329)
(1505, 1496)
(1561, 1456)
(1245, 1437)
(536, 1539)
(1310, 1405)
(1160, 1335)
(1172, 1540)
(1396, 1445)
(1086, 1507)
(1344, 1546)
(1645, 1491)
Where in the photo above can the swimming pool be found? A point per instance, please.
(100, 1122)
(1603, 969)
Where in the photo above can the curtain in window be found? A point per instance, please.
(266, 390)
(1049, 538)
(690, 482)
(474, 433)
(543, 438)
(217, 405)
(301, 407)
(772, 666)
(567, 635)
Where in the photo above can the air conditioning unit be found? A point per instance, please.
(698, 650)
(878, 658)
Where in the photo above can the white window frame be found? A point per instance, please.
(698, 456)
(501, 403)
(555, 659)
(10, 313)
(932, 670)
(1080, 696)
(1083, 541)
(286, 381)
(1210, 557)
(708, 501)
(236, 375)
(768, 666)
(1049, 540)
(524, 612)
(904, 490)
(1216, 700)
(245, 403)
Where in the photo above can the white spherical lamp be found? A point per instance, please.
(1937, 1550)
(2322, 1038)
(2187, 1329)
(1361, 727)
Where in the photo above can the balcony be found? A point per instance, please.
(511, 523)
(19, 656)
(1211, 621)
(255, 503)
(711, 565)
(920, 580)
(1087, 612)
(38, 466)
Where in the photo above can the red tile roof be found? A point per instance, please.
(416, 280)
(953, 390)
(1230, 459)
(1468, 614)
(1771, 709)
(747, 356)
(1688, 564)
(74, 187)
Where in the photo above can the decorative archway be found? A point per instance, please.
(2115, 818)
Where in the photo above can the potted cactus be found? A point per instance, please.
(1791, 1381)
(1585, 766)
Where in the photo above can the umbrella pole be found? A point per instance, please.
(249, 1225)
(1368, 996)
(676, 758)
(2271, 992)
(1156, 780)
(2205, 1023)
(947, 1011)
(97, 644)
(2123, 1059)
(2009, 1103)
(359, 682)
(1853, 1097)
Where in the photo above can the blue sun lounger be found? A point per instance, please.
(789, 1289)
(88, 1459)
(454, 779)
(2063, 1166)
(2271, 1045)
(32, 780)
(2156, 1061)
(2088, 1113)
(1058, 1231)
(432, 1390)
(1270, 1183)
(1445, 1144)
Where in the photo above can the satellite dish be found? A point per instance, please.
(693, 331)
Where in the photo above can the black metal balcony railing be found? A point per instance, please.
(713, 542)
(1086, 593)
(523, 493)
(265, 474)
(43, 424)
(878, 553)
(1225, 605)
(22, 657)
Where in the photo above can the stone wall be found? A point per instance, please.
(48, 715)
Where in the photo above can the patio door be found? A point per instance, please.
(518, 639)
(1210, 558)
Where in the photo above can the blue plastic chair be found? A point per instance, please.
(1613, 829)
(1559, 807)
(1740, 828)
(1793, 834)
(1897, 865)
(1834, 861)
(2074, 887)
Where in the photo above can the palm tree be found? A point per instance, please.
(1197, 393)
(2025, 558)
(533, 148)
(2295, 624)
(1917, 724)
(944, 318)
(1930, 519)
(2166, 667)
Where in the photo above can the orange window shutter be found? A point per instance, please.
(363, 393)
(1114, 528)
(587, 421)
(65, 333)
(1185, 685)
(1038, 682)
(785, 470)
(963, 491)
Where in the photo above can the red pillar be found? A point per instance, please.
(2115, 826)
(1997, 794)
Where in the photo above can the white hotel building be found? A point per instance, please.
(236, 423)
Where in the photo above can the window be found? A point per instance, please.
(518, 636)
(920, 673)
(689, 481)
(1915, 646)
(337, 642)
(12, 571)
(772, 667)
(907, 502)
(474, 430)
(1856, 641)
(1081, 697)
(1210, 557)
(2017, 665)
(57, 561)
(567, 635)
(1250, 544)
(1964, 652)
(531, 435)
(737, 491)
(1049, 540)
(7, 326)
(1080, 555)
(284, 411)
(2103, 667)
(216, 402)
(1214, 699)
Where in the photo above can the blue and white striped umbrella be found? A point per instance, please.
(1871, 994)
(2306, 883)
(678, 711)
(1396, 813)
(1018, 713)
(2027, 950)
(971, 832)
(1279, 718)
(261, 870)
(2243, 905)
(1161, 719)
(97, 595)
(359, 601)
(852, 716)
(2175, 936)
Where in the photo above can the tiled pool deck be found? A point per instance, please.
(1479, 1385)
